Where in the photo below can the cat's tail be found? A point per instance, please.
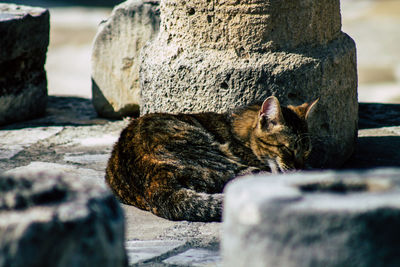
(189, 205)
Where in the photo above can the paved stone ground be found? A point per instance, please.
(71, 138)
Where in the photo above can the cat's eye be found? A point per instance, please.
(296, 146)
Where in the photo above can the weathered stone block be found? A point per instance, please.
(115, 64)
(48, 220)
(250, 25)
(313, 219)
(217, 56)
(24, 39)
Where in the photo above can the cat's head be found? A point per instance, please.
(280, 137)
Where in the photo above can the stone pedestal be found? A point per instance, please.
(213, 56)
(115, 64)
(24, 39)
(55, 220)
(313, 219)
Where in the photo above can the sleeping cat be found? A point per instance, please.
(176, 166)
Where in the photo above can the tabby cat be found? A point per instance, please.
(176, 166)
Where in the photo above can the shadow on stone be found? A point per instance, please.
(375, 115)
(378, 143)
(375, 151)
(63, 111)
(104, 108)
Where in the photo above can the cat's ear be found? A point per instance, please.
(305, 110)
(311, 108)
(270, 112)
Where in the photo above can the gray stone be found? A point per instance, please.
(216, 56)
(313, 219)
(62, 110)
(24, 39)
(378, 142)
(142, 251)
(55, 169)
(86, 159)
(14, 141)
(115, 64)
(48, 220)
(143, 225)
(195, 257)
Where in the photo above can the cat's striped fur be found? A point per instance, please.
(176, 166)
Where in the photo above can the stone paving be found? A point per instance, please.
(71, 138)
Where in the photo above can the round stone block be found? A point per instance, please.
(313, 219)
(115, 57)
(24, 39)
(53, 220)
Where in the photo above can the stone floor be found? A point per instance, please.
(71, 138)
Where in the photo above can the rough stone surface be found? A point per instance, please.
(196, 257)
(115, 64)
(24, 39)
(251, 25)
(145, 251)
(217, 56)
(12, 142)
(59, 220)
(313, 219)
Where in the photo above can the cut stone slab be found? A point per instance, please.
(48, 220)
(14, 141)
(24, 39)
(142, 225)
(56, 169)
(86, 159)
(313, 219)
(218, 56)
(144, 251)
(115, 64)
(196, 257)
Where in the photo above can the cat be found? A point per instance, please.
(176, 166)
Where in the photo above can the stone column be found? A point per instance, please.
(217, 55)
(24, 37)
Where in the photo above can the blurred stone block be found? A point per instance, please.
(115, 64)
(24, 37)
(55, 220)
(313, 219)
